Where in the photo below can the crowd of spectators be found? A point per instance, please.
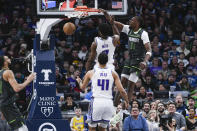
(172, 28)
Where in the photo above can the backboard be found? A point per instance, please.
(60, 8)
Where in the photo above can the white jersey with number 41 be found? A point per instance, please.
(102, 83)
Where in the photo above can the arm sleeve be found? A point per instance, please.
(145, 37)
(126, 124)
(125, 29)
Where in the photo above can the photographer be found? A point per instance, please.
(167, 124)
(180, 120)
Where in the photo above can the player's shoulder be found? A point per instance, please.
(7, 72)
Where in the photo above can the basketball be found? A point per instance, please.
(69, 28)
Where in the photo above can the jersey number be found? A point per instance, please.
(106, 52)
(103, 83)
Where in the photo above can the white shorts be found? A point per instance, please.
(133, 77)
(100, 112)
(110, 66)
(125, 76)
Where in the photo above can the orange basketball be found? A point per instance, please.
(69, 28)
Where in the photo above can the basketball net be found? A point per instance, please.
(81, 12)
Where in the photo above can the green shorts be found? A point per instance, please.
(13, 116)
(131, 66)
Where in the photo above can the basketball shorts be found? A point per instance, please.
(100, 112)
(131, 69)
(13, 116)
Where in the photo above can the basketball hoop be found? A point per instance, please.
(81, 12)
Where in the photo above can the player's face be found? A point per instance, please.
(133, 22)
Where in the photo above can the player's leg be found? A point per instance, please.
(107, 114)
(95, 113)
(23, 128)
(91, 128)
(124, 80)
(133, 78)
(102, 127)
(13, 117)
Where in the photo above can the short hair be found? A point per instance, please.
(140, 21)
(104, 29)
(1, 61)
(103, 58)
(171, 102)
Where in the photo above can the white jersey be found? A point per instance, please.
(107, 46)
(102, 83)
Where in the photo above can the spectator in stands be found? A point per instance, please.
(183, 59)
(135, 121)
(173, 51)
(59, 77)
(161, 109)
(149, 84)
(193, 51)
(171, 84)
(181, 70)
(180, 120)
(145, 109)
(153, 121)
(160, 78)
(191, 104)
(153, 105)
(165, 57)
(174, 63)
(180, 106)
(142, 93)
(69, 104)
(116, 121)
(73, 82)
(184, 84)
(135, 104)
(77, 122)
(191, 121)
(83, 52)
(66, 55)
(165, 70)
(149, 96)
(182, 48)
(155, 66)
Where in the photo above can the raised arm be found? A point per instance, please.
(92, 56)
(120, 88)
(109, 18)
(8, 75)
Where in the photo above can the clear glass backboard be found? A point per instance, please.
(58, 8)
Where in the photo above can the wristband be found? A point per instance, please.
(149, 53)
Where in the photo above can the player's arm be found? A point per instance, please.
(8, 75)
(109, 18)
(146, 42)
(120, 87)
(92, 56)
(148, 52)
(116, 40)
(86, 80)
